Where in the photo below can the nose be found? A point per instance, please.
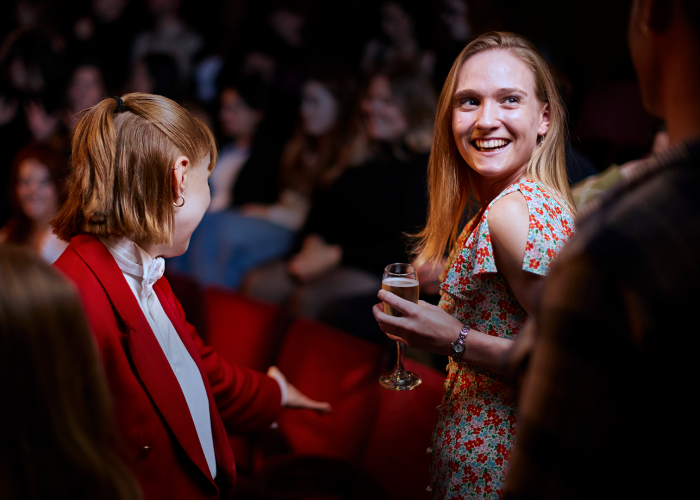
(488, 116)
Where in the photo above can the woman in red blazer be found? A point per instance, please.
(138, 188)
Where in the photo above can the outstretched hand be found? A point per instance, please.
(295, 398)
(422, 325)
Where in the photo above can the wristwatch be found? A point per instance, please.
(458, 345)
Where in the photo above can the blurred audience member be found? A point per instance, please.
(400, 20)
(613, 367)
(243, 108)
(456, 24)
(86, 88)
(31, 69)
(59, 437)
(318, 151)
(37, 178)
(229, 243)
(13, 133)
(347, 244)
(170, 35)
(459, 21)
(156, 74)
(106, 34)
(32, 62)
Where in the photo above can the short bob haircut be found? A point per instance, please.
(449, 186)
(121, 173)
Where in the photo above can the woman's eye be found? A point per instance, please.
(468, 102)
(511, 100)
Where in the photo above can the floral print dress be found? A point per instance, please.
(477, 421)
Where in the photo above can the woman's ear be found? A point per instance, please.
(179, 179)
(544, 120)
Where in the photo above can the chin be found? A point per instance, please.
(177, 249)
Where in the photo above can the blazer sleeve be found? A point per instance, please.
(247, 400)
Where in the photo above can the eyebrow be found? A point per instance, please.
(471, 92)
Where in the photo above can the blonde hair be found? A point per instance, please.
(448, 174)
(121, 174)
(60, 438)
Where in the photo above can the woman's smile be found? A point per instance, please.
(490, 145)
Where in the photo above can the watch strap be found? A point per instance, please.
(458, 351)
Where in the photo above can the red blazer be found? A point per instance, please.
(160, 442)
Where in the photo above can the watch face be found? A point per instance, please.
(458, 348)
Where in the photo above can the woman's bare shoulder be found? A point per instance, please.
(509, 216)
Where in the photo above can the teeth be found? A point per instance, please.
(492, 144)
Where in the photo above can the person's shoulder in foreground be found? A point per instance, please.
(611, 372)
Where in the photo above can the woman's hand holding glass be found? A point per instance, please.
(422, 325)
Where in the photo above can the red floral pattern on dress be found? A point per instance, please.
(477, 423)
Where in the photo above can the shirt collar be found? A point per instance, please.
(136, 262)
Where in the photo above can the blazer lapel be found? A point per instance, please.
(152, 366)
(222, 449)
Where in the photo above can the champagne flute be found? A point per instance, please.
(401, 280)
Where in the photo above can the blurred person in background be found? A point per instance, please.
(85, 89)
(230, 242)
(59, 439)
(38, 177)
(499, 141)
(106, 34)
(459, 21)
(607, 408)
(170, 35)
(32, 65)
(356, 224)
(243, 108)
(156, 73)
(401, 21)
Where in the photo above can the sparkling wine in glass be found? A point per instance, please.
(400, 279)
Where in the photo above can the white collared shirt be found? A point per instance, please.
(141, 272)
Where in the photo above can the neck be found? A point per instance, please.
(155, 250)
(487, 188)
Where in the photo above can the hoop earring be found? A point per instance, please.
(540, 140)
(181, 205)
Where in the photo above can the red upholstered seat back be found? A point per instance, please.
(243, 331)
(329, 365)
(396, 456)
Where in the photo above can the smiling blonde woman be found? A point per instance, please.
(499, 141)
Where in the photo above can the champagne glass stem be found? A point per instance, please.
(399, 356)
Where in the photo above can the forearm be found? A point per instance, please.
(480, 349)
(486, 351)
(428, 327)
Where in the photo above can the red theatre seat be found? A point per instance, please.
(243, 331)
(397, 455)
(327, 364)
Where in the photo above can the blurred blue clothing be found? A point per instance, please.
(227, 244)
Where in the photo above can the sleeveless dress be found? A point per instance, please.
(476, 422)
